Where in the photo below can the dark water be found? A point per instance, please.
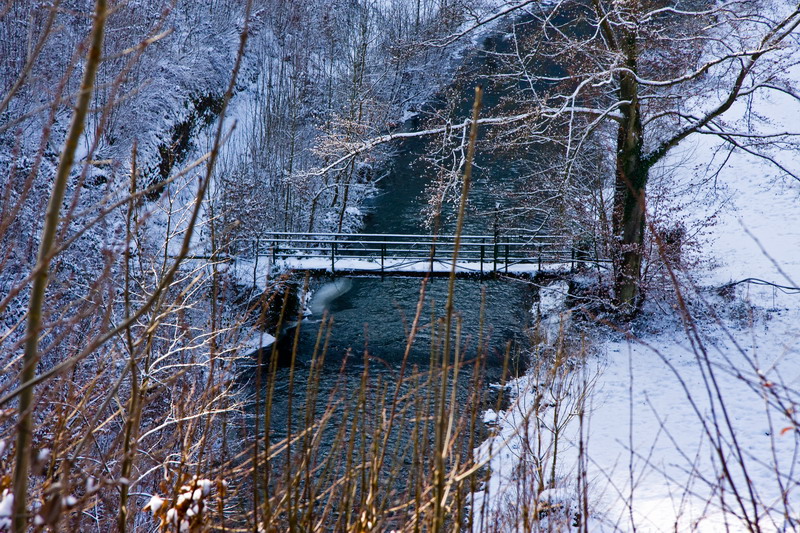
(377, 314)
(375, 317)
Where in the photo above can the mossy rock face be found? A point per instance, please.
(267, 310)
(267, 307)
(204, 109)
(207, 107)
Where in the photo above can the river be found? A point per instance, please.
(374, 315)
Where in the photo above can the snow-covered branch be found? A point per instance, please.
(503, 12)
(355, 149)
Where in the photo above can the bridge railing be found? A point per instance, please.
(485, 252)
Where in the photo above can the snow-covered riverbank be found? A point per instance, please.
(690, 424)
(672, 404)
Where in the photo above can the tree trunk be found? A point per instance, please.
(629, 193)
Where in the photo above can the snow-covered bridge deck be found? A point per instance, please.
(399, 254)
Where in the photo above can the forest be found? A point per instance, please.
(399, 265)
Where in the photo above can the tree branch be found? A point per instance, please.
(36, 302)
(774, 37)
(441, 43)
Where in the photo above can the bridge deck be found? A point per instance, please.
(383, 254)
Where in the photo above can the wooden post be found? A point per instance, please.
(383, 255)
(506, 258)
(333, 257)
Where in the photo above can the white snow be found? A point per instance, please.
(652, 398)
(490, 416)
(258, 341)
(154, 504)
(655, 436)
(652, 414)
(551, 299)
(408, 115)
(6, 510)
(409, 265)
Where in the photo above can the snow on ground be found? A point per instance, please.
(652, 425)
(258, 341)
(660, 445)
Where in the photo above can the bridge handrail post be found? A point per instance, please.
(483, 253)
(383, 255)
(333, 256)
(572, 259)
(255, 261)
(494, 253)
(507, 258)
(540, 247)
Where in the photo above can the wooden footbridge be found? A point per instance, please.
(411, 255)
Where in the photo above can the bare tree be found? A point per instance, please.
(650, 74)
